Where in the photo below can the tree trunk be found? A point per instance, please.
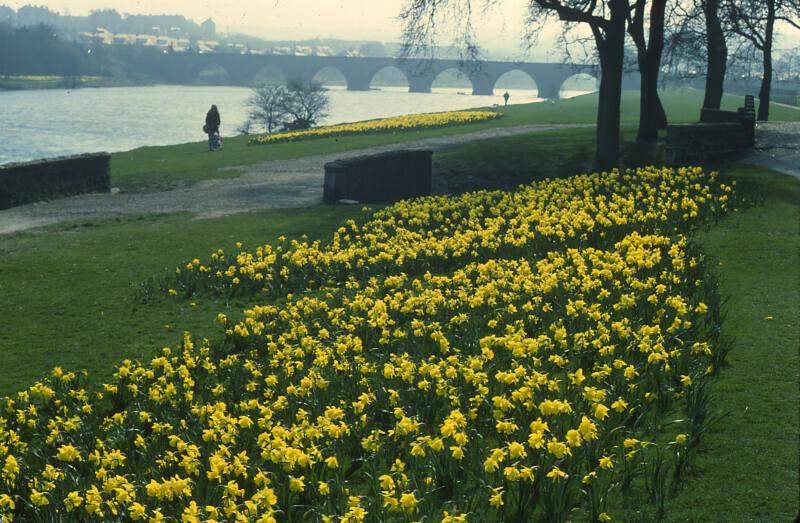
(766, 81)
(611, 50)
(717, 56)
(652, 116)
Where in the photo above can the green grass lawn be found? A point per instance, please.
(68, 297)
(28, 82)
(505, 163)
(747, 468)
(157, 166)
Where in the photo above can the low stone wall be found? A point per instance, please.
(380, 178)
(719, 135)
(54, 178)
(693, 144)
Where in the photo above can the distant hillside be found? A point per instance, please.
(109, 19)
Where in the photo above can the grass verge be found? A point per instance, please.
(747, 467)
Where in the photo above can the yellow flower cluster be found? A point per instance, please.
(413, 122)
(513, 372)
(439, 233)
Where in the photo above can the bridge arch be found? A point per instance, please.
(210, 73)
(269, 75)
(451, 78)
(579, 83)
(516, 79)
(389, 76)
(330, 76)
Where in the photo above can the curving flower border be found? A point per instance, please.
(414, 122)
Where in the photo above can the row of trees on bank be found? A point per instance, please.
(654, 26)
(38, 50)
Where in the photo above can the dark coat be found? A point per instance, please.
(212, 121)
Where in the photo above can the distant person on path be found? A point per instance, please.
(506, 97)
(212, 128)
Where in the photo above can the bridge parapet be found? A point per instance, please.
(184, 68)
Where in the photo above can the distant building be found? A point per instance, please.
(7, 14)
(209, 29)
(207, 46)
(351, 53)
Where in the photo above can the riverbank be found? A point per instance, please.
(272, 184)
(45, 82)
(57, 122)
(162, 167)
(243, 178)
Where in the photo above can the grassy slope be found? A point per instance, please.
(66, 295)
(167, 165)
(747, 469)
(504, 163)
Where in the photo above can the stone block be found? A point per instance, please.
(27, 182)
(379, 178)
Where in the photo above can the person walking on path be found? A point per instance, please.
(212, 128)
(506, 97)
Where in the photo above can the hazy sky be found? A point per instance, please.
(348, 19)
(499, 31)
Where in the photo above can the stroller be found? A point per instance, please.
(216, 141)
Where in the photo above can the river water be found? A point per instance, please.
(47, 123)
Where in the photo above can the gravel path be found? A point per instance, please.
(298, 182)
(777, 147)
(267, 185)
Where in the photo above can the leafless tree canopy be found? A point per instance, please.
(307, 103)
(299, 105)
(268, 106)
(750, 19)
(424, 20)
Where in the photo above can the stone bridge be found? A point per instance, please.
(184, 68)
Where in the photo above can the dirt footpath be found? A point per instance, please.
(268, 185)
(298, 182)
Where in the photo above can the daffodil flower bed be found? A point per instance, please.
(414, 122)
(518, 377)
(438, 233)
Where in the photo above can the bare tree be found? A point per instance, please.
(755, 20)
(267, 106)
(306, 104)
(606, 21)
(787, 65)
(649, 50)
(716, 52)
(698, 35)
(685, 54)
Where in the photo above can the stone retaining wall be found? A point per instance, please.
(54, 178)
(696, 144)
(719, 135)
(380, 178)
